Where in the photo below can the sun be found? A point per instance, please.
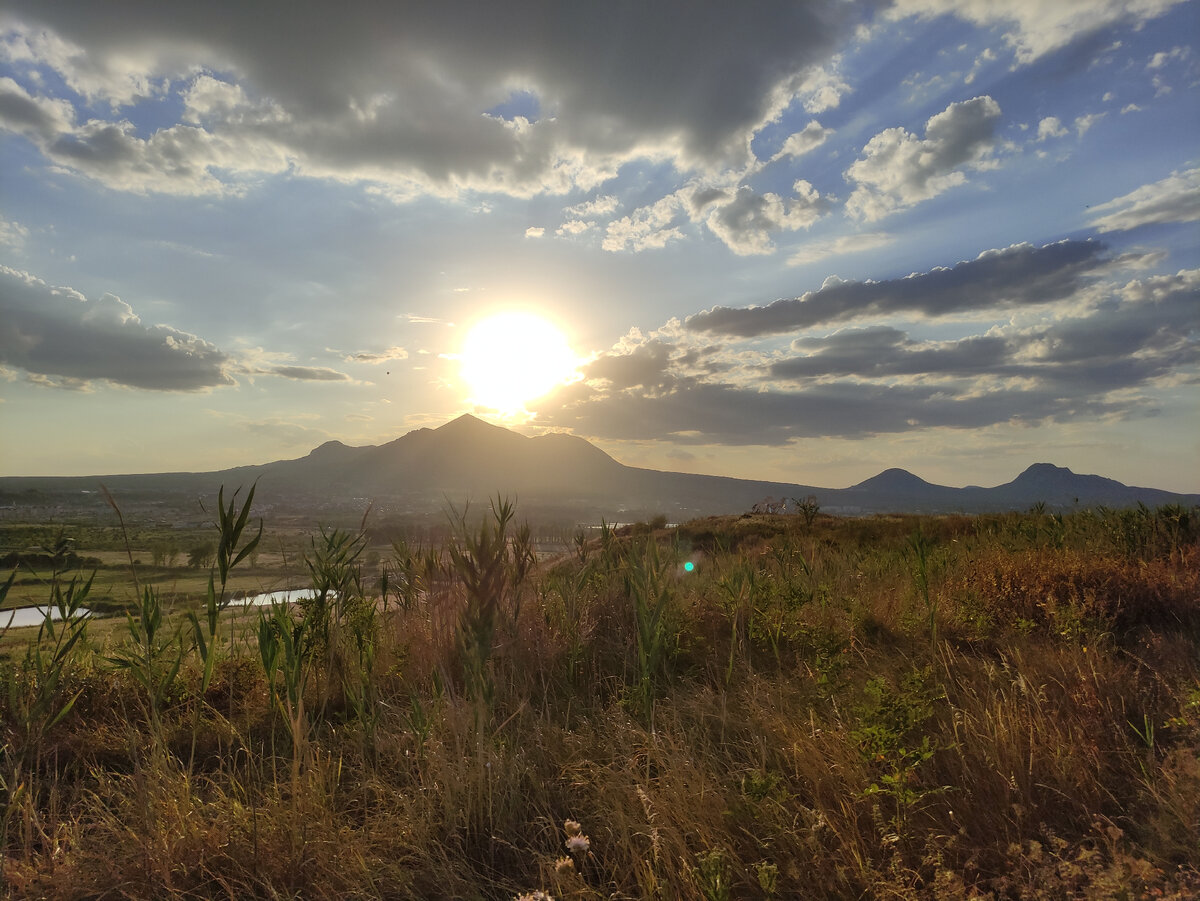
(510, 358)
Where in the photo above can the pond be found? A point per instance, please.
(20, 617)
(271, 598)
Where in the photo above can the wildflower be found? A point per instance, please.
(564, 866)
(578, 843)
(537, 895)
(572, 827)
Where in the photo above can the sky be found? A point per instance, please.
(800, 241)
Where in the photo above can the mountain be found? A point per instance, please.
(1057, 486)
(468, 459)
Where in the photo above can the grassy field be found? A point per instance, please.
(739, 708)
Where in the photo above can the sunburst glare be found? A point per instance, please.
(510, 358)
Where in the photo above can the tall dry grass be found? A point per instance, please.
(804, 714)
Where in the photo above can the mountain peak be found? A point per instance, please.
(1047, 476)
(894, 479)
(468, 424)
(1044, 471)
(329, 448)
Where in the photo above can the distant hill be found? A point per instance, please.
(469, 459)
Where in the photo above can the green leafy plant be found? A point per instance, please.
(231, 550)
(712, 873)
(152, 655)
(36, 701)
(739, 588)
(918, 549)
(892, 738)
(647, 587)
(480, 557)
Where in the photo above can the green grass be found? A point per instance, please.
(1005, 707)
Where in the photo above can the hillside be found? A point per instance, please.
(469, 459)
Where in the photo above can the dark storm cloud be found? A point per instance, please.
(1017, 276)
(401, 91)
(56, 332)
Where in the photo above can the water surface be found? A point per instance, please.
(19, 617)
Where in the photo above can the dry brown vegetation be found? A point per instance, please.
(897, 707)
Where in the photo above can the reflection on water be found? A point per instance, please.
(31, 616)
(271, 598)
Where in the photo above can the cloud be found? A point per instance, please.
(898, 169)
(859, 383)
(1175, 198)
(1140, 332)
(822, 87)
(577, 222)
(648, 227)
(12, 234)
(381, 356)
(574, 227)
(178, 160)
(698, 413)
(643, 365)
(58, 334)
(599, 206)
(1050, 127)
(309, 373)
(812, 136)
(37, 118)
(846, 244)
(1083, 124)
(1035, 28)
(534, 231)
(118, 79)
(1016, 276)
(1160, 59)
(987, 56)
(746, 221)
(404, 100)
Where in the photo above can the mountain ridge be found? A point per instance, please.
(468, 458)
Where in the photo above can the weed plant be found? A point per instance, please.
(1001, 706)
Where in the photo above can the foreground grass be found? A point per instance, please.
(1002, 707)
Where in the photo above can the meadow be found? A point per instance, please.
(742, 707)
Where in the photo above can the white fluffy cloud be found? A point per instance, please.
(599, 206)
(646, 228)
(898, 169)
(574, 227)
(812, 136)
(1050, 127)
